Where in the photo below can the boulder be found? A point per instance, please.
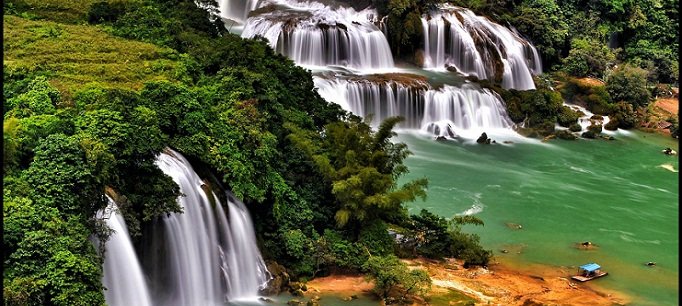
(278, 282)
(588, 134)
(483, 139)
(566, 135)
(595, 128)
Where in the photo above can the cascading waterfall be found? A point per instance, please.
(456, 37)
(325, 36)
(321, 36)
(210, 260)
(465, 110)
(236, 10)
(123, 278)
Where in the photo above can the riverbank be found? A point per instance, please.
(500, 284)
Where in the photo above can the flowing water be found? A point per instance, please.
(456, 37)
(621, 195)
(123, 277)
(198, 257)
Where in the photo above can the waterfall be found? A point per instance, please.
(475, 46)
(209, 260)
(323, 37)
(123, 278)
(464, 110)
(236, 10)
(318, 35)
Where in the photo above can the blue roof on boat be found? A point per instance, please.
(590, 267)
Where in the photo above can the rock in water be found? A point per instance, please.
(483, 139)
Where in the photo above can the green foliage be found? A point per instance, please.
(588, 57)
(567, 116)
(61, 175)
(389, 273)
(623, 116)
(39, 99)
(376, 239)
(435, 237)
(537, 109)
(595, 97)
(362, 167)
(544, 23)
(145, 23)
(629, 84)
(106, 11)
(47, 257)
(81, 55)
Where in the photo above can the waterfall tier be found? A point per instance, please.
(237, 10)
(205, 260)
(465, 110)
(318, 35)
(473, 45)
(123, 278)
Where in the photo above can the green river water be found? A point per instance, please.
(612, 193)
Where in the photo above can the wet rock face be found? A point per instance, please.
(484, 139)
(279, 281)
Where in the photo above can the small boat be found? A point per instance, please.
(588, 272)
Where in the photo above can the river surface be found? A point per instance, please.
(616, 194)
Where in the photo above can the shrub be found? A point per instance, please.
(389, 273)
(628, 83)
(106, 11)
(567, 116)
(625, 115)
(588, 57)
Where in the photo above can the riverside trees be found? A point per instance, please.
(74, 131)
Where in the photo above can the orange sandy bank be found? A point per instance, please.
(498, 285)
(670, 105)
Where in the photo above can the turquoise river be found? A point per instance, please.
(622, 195)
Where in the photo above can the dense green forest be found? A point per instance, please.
(94, 91)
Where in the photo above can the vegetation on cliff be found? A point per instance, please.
(95, 92)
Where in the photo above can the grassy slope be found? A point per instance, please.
(67, 11)
(76, 55)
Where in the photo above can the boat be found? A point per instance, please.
(588, 272)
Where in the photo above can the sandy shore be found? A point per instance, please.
(498, 285)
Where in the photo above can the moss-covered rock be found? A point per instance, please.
(566, 135)
(588, 134)
(575, 127)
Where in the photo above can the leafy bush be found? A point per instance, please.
(567, 117)
(588, 57)
(629, 84)
(389, 273)
(106, 11)
(623, 116)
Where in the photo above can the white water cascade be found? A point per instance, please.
(465, 110)
(318, 35)
(353, 64)
(456, 37)
(208, 260)
(123, 278)
(237, 10)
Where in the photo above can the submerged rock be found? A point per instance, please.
(484, 139)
